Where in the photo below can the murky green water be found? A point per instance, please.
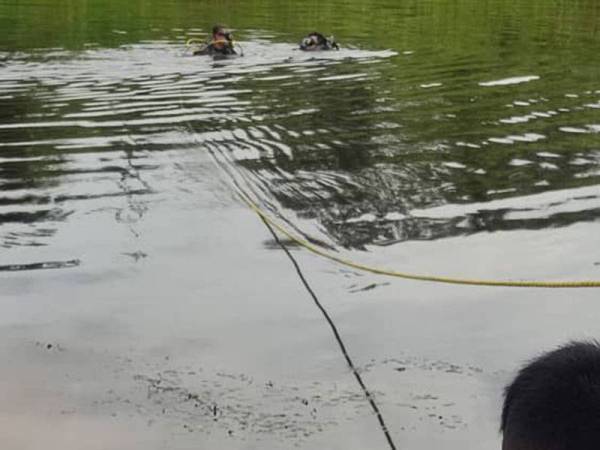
(489, 107)
(451, 137)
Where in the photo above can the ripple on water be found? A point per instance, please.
(510, 81)
(324, 137)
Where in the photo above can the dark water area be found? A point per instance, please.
(457, 137)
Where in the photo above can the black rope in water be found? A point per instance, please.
(338, 338)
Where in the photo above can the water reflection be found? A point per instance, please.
(373, 148)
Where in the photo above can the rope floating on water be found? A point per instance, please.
(414, 276)
(338, 338)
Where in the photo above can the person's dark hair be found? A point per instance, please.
(320, 38)
(218, 28)
(554, 402)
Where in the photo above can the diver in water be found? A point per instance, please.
(316, 41)
(221, 43)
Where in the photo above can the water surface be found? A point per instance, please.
(448, 137)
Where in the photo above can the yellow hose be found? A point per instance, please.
(412, 276)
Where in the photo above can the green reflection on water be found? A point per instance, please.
(419, 131)
(461, 27)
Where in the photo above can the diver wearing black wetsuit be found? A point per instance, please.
(220, 44)
(316, 41)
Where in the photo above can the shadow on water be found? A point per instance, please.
(40, 266)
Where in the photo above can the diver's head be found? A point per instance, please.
(221, 36)
(314, 41)
(554, 402)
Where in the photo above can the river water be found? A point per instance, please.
(448, 138)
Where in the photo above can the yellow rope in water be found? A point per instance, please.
(189, 42)
(412, 276)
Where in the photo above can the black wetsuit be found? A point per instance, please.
(316, 41)
(211, 50)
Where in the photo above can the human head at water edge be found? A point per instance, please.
(554, 402)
